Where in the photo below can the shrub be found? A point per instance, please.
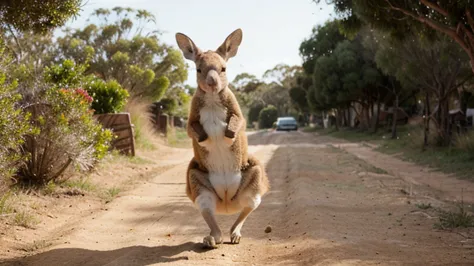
(67, 136)
(465, 142)
(142, 121)
(267, 116)
(254, 112)
(67, 74)
(13, 125)
(109, 97)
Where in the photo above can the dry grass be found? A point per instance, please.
(110, 194)
(36, 245)
(5, 203)
(465, 142)
(146, 137)
(454, 219)
(25, 219)
(178, 138)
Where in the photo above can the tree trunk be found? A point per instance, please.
(367, 117)
(376, 117)
(324, 117)
(471, 55)
(349, 118)
(344, 116)
(336, 115)
(395, 116)
(371, 112)
(427, 120)
(444, 122)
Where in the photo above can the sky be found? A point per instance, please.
(272, 29)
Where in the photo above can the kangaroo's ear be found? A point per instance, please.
(231, 44)
(190, 50)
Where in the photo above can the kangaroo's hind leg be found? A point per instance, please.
(205, 200)
(249, 196)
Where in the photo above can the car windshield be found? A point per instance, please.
(286, 121)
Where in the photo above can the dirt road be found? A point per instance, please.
(331, 203)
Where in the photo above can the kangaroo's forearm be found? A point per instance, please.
(233, 126)
(196, 131)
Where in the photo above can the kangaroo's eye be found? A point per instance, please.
(199, 70)
(223, 69)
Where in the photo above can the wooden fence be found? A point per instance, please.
(122, 128)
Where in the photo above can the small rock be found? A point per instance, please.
(268, 229)
(223, 255)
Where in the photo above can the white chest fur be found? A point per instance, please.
(224, 173)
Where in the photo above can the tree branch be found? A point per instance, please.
(433, 24)
(470, 20)
(19, 54)
(436, 7)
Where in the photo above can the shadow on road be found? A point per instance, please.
(133, 255)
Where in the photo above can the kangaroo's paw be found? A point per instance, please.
(209, 242)
(228, 141)
(205, 143)
(235, 237)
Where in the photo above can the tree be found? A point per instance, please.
(438, 68)
(453, 18)
(322, 42)
(273, 89)
(267, 117)
(298, 97)
(121, 49)
(344, 77)
(254, 111)
(245, 82)
(38, 16)
(283, 75)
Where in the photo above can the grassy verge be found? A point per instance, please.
(408, 146)
(177, 137)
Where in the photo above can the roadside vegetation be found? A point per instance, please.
(368, 79)
(363, 78)
(452, 160)
(52, 149)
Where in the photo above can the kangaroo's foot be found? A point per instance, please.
(235, 237)
(206, 202)
(211, 241)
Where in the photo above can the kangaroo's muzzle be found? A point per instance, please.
(213, 80)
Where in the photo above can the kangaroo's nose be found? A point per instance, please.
(212, 78)
(211, 81)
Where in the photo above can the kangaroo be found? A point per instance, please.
(221, 177)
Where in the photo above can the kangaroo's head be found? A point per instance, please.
(210, 65)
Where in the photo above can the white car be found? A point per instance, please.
(286, 123)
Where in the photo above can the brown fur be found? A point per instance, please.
(212, 81)
(235, 128)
